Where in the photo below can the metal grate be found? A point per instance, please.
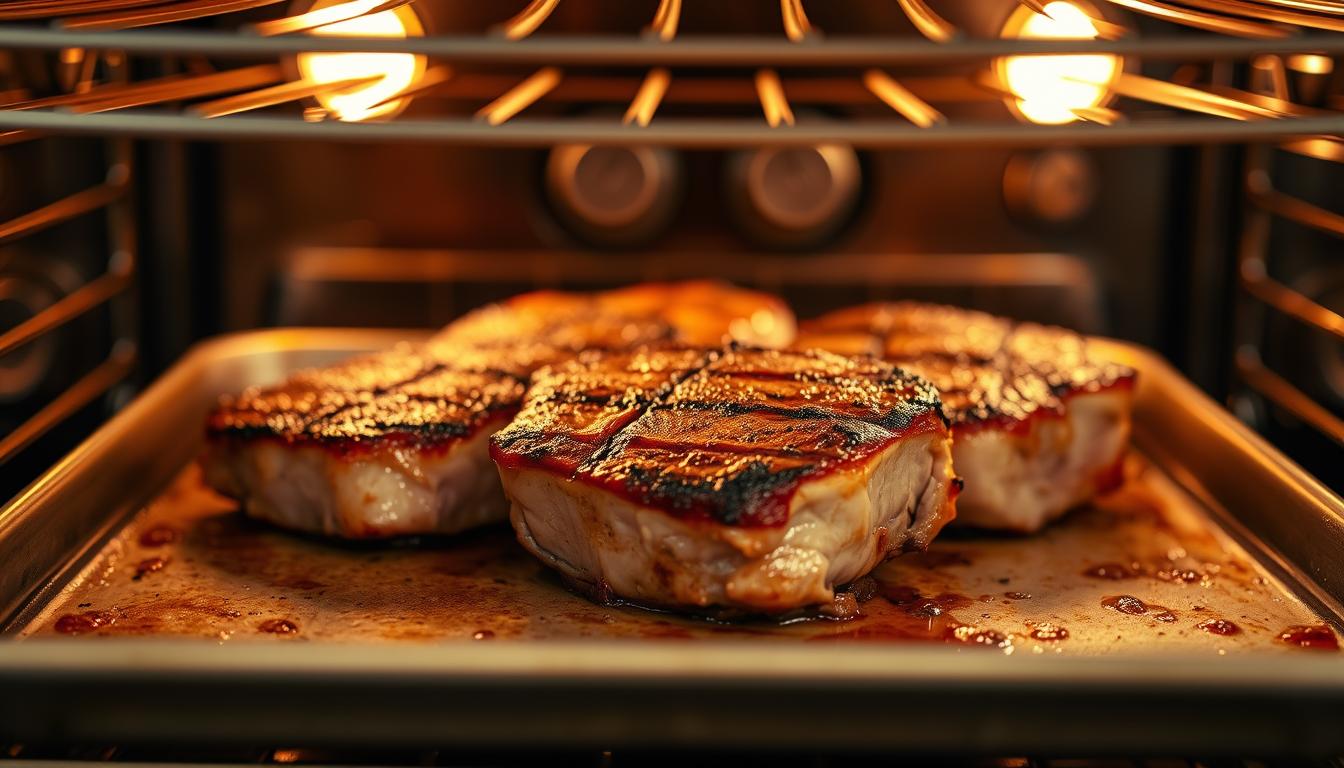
(112, 196)
(1265, 205)
(1262, 292)
(878, 71)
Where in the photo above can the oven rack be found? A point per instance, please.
(1261, 292)
(859, 69)
(114, 288)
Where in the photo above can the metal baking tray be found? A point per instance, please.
(140, 608)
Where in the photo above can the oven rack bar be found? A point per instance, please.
(725, 51)
(69, 207)
(92, 294)
(691, 133)
(1284, 394)
(103, 377)
(111, 288)
(1265, 203)
(1252, 270)
(1300, 211)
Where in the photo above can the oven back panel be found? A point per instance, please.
(454, 228)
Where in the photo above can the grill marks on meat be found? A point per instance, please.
(733, 477)
(395, 442)
(444, 404)
(989, 370)
(723, 435)
(1039, 422)
(475, 368)
(402, 395)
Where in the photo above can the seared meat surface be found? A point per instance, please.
(1039, 423)
(396, 442)
(733, 477)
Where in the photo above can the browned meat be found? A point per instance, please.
(738, 478)
(395, 443)
(1039, 424)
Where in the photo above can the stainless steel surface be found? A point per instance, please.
(717, 51)
(616, 693)
(543, 132)
(548, 57)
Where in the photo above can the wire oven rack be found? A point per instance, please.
(115, 286)
(513, 69)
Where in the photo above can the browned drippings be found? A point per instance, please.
(278, 627)
(78, 623)
(1111, 571)
(149, 565)
(227, 574)
(900, 594)
(971, 635)
(916, 604)
(927, 628)
(158, 536)
(939, 558)
(1315, 636)
(1017, 595)
(1185, 575)
(1133, 606)
(1219, 627)
(1047, 631)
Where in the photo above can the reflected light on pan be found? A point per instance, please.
(399, 70)
(1048, 88)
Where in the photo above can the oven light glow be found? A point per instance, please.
(1311, 64)
(399, 70)
(1049, 88)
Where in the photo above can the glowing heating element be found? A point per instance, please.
(1050, 88)
(399, 70)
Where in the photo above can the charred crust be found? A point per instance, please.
(826, 412)
(1005, 372)
(724, 499)
(395, 410)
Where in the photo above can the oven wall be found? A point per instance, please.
(422, 233)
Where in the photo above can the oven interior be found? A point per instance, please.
(168, 174)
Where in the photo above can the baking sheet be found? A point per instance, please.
(250, 635)
(1142, 570)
